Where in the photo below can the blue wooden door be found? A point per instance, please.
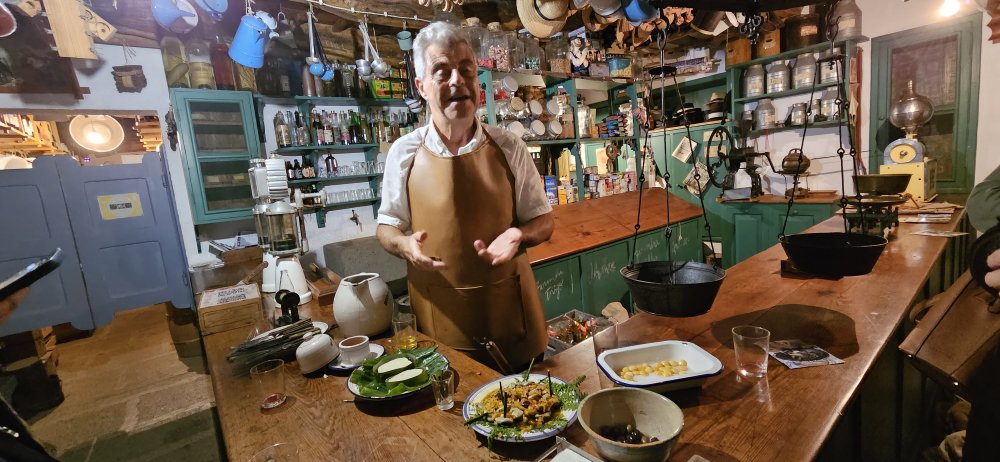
(35, 222)
(126, 234)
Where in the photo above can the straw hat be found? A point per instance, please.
(543, 18)
(606, 7)
(593, 22)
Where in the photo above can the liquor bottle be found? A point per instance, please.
(394, 125)
(327, 129)
(331, 165)
(293, 131)
(308, 171)
(317, 129)
(281, 131)
(289, 170)
(301, 129)
(222, 66)
(366, 129)
(175, 62)
(338, 79)
(298, 169)
(345, 129)
(335, 128)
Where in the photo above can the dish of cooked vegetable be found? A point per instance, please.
(398, 374)
(520, 408)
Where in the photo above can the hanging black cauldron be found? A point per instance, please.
(673, 288)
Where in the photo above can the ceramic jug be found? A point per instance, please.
(362, 305)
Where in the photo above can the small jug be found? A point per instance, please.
(363, 305)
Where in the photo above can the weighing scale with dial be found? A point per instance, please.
(907, 154)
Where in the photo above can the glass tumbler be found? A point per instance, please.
(443, 385)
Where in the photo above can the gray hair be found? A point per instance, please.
(436, 33)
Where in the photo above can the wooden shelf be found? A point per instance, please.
(329, 101)
(45, 139)
(578, 140)
(782, 94)
(298, 150)
(792, 54)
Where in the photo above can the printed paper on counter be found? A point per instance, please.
(684, 149)
(797, 354)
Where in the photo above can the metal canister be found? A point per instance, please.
(829, 72)
(804, 73)
(778, 77)
(765, 114)
(830, 108)
(799, 113)
(754, 81)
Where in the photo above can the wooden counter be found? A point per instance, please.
(589, 224)
(786, 417)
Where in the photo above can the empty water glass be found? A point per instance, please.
(443, 385)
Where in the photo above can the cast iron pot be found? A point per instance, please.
(833, 254)
(673, 288)
(882, 184)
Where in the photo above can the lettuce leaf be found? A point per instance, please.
(372, 386)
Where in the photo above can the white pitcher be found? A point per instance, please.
(362, 305)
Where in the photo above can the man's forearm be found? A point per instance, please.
(389, 237)
(537, 231)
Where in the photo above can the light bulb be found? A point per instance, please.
(949, 8)
(97, 134)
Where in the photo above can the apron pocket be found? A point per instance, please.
(494, 311)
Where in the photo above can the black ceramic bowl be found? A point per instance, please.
(833, 254)
(673, 288)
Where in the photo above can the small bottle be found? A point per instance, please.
(327, 130)
(317, 129)
(293, 130)
(301, 129)
(345, 129)
(331, 165)
(335, 128)
(289, 170)
(281, 131)
(298, 169)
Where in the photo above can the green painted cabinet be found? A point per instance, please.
(559, 285)
(218, 133)
(602, 280)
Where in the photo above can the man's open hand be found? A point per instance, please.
(502, 249)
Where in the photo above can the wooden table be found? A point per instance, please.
(785, 417)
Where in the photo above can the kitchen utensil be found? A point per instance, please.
(700, 364)
(795, 162)
(362, 305)
(673, 288)
(833, 254)
(882, 184)
(315, 352)
(248, 43)
(649, 413)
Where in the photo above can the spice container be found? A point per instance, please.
(829, 72)
(804, 73)
(830, 108)
(753, 81)
(555, 53)
(476, 36)
(798, 116)
(778, 77)
(765, 114)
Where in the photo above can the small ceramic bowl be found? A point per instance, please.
(315, 352)
(650, 413)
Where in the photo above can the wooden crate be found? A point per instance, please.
(737, 51)
(769, 43)
(228, 308)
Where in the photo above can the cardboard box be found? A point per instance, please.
(228, 308)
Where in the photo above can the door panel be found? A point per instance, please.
(127, 236)
(747, 239)
(35, 223)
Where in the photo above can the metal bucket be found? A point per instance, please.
(834, 254)
(673, 288)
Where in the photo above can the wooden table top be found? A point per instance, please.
(589, 224)
(787, 416)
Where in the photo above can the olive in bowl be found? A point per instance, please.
(619, 420)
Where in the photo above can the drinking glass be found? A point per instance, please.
(269, 378)
(750, 344)
(443, 385)
(404, 326)
(605, 334)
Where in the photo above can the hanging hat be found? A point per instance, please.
(608, 8)
(593, 22)
(543, 18)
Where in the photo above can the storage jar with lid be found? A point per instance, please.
(778, 77)
(620, 65)
(829, 72)
(753, 81)
(830, 108)
(175, 62)
(804, 73)
(555, 53)
(802, 30)
(798, 116)
(532, 53)
(499, 47)
(200, 65)
(765, 114)
(475, 34)
(848, 16)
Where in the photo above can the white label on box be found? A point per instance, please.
(228, 295)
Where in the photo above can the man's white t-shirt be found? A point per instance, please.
(529, 193)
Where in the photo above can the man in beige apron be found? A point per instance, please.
(474, 202)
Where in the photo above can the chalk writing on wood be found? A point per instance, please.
(552, 288)
(599, 271)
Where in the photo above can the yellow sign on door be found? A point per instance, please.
(115, 206)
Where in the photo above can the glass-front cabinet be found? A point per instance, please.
(218, 134)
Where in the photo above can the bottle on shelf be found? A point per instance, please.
(304, 139)
(394, 126)
(245, 78)
(175, 63)
(298, 169)
(334, 128)
(308, 171)
(317, 129)
(347, 81)
(222, 66)
(281, 133)
(289, 170)
(293, 130)
(327, 130)
(345, 129)
(200, 64)
(331, 165)
(366, 129)
(583, 118)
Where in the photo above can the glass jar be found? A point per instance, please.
(804, 73)
(848, 16)
(175, 63)
(347, 81)
(816, 109)
(798, 116)
(765, 114)
(778, 77)
(475, 34)
(200, 65)
(222, 65)
(532, 53)
(555, 53)
(754, 81)
(829, 104)
(499, 47)
(517, 47)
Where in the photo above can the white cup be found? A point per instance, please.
(354, 350)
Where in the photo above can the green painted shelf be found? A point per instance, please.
(823, 124)
(329, 101)
(334, 179)
(792, 54)
(578, 140)
(338, 205)
(781, 94)
(297, 150)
